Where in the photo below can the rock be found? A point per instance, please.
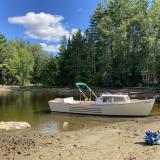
(75, 145)
(119, 133)
(13, 148)
(48, 143)
(41, 156)
(27, 154)
(13, 125)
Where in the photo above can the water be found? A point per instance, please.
(32, 107)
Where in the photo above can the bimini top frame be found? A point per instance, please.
(84, 95)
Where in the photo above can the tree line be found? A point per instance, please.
(22, 63)
(120, 48)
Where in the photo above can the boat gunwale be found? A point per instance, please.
(101, 104)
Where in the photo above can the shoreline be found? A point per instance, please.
(134, 92)
(120, 140)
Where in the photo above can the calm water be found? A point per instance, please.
(33, 108)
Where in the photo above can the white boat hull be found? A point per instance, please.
(133, 108)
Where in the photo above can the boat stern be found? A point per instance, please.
(147, 107)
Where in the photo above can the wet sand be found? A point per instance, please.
(117, 141)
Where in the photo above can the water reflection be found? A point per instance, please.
(33, 108)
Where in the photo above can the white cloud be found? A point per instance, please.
(45, 27)
(74, 31)
(42, 26)
(50, 48)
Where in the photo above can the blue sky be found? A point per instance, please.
(44, 21)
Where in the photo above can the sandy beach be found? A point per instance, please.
(117, 141)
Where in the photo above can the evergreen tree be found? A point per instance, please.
(3, 58)
(49, 71)
(39, 57)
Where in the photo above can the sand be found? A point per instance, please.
(117, 141)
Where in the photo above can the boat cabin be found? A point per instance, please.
(112, 98)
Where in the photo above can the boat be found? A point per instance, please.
(105, 104)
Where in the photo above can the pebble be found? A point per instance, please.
(19, 152)
(41, 156)
(75, 145)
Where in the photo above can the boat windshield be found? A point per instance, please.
(119, 99)
(127, 98)
(110, 99)
(107, 99)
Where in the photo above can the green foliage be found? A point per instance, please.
(121, 47)
(20, 63)
(48, 72)
(40, 57)
(23, 64)
(3, 58)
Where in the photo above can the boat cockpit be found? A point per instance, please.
(113, 98)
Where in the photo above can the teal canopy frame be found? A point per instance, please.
(81, 92)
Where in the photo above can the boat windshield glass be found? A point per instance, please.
(119, 99)
(107, 99)
(127, 98)
(113, 99)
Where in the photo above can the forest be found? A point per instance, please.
(120, 48)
